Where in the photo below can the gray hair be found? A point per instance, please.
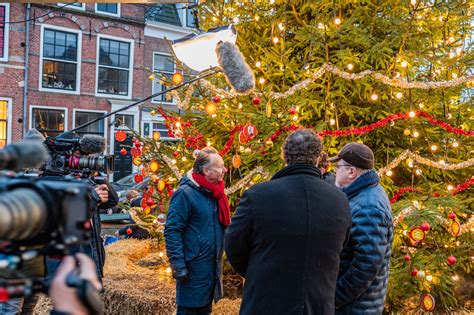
(203, 158)
(302, 147)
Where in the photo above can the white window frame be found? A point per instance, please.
(65, 109)
(130, 67)
(90, 111)
(6, 32)
(9, 117)
(157, 119)
(78, 62)
(173, 102)
(183, 15)
(82, 8)
(107, 13)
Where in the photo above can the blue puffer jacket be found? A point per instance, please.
(194, 239)
(363, 275)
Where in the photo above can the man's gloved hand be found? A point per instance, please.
(180, 274)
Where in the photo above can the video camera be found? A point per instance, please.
(67, 155)
(38, 215)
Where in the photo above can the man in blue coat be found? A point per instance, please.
(194, 234)
(363, 274)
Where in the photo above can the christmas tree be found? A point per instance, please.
(395, 75)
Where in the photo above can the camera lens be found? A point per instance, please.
(23, 214)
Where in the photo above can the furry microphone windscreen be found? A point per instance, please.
(237, 72)
(91, 144)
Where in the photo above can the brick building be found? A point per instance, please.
(79, 61)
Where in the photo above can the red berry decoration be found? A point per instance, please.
(138, 144)
(129, 231)
(452, 215)
(407, 257)
(150, 202)
(216, 99)
(256, 100)
(135, 152)
(138, 178)
(425, 226)
(175, 153)
(123, 151)
(452, 260)
(414, 272)
(292, 111)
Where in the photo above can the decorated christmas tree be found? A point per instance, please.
(395, 75)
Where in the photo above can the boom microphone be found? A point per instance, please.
(23, 154)
(237, 72)
(91, 144)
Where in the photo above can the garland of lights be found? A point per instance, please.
(421, 160)
(329, 68)
(244, 181)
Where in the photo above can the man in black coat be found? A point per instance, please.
(287, 235)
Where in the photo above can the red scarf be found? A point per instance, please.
(218, 194)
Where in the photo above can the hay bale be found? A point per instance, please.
(227, 307)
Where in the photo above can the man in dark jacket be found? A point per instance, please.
(363, 276)
(287, 235)
(194, 234)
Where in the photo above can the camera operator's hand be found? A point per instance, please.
(64, 297)
(103, 192)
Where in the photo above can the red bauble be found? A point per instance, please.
(120, 135)
(292, 111)
(123, 151)
(425, 226)
(242, 138)
(135, 152)
(150, 202)
(175, 153)
(138, 178)
(216, 99)
(452, 215)
(129, 231)
(407, 257)
(138, 144)
(256, 100)
(414, 272)
(150, 190)
(452, 260)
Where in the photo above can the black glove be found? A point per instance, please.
(180, 274)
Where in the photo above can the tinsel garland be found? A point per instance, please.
(329, 68)
(407, 154)
(244, 181)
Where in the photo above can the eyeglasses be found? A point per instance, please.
(341, 165)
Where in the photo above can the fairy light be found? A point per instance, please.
(235, 20)
(455, 277)
(399, 95)
(178, 124)
(213, 115)
(450, 187)
(281, 26)
(389, 173)
(442, 162)
(449, 116)
(332, 122)
(410, 163)
(161, 254)
(421, 105)
(214, 19)
(429, 278)
(272, 1)
(258, 64)
(374, 97)
(455, 144)
(404, 64)
(261, 80)
(295, 117)
(434, 147)
(413, 2)
(412, 114)
(337, 21)
(275, 40)
(173, 161)
(256, 18)
(418, 171)
(184, 159)
(350, 66)
(416, 134)
(208, 143)
(168, 270)
(405, 232)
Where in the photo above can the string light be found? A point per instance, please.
(434, 147)
(257, 18)
(275, 40)
(261, 80)
(240, 106)
(374, 97)
(455, 144)
(418, 171)
(281, 26)
(337, 21)
(404, 64)
(429, 278)
(168, 270)
(208, 143)
(455, 277)
(258, 64)
(173, 161)
(413, 2)
(421, 105)
(389, 173)
(450, 187)
(399, 95)
(272, 1)
(416, 134)
(184, 159)
(332, 122)
(321, 26)
(350, 66)
(412, 114)
(235, 20)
